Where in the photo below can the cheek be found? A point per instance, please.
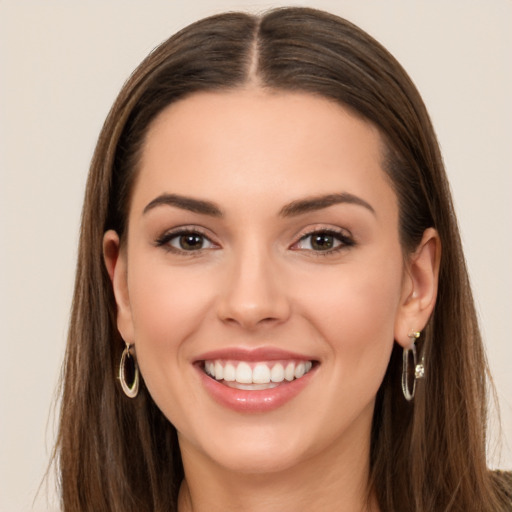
(168, 307)
(364, 296)
(362, 313)
(167, 303)
(355, 314)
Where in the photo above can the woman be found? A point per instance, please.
(281, 260)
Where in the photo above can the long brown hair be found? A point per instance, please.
(119, 454)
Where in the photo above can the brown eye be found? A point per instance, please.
(190, 242)
(185, 241)
(323, 241)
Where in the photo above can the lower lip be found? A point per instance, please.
(262, 400)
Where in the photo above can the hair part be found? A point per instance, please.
(119, 454)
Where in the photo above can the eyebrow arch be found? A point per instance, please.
(311, 204)
(185, 203)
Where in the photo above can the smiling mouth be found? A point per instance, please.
(256, 375)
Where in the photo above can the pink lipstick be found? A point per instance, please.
(256, 380)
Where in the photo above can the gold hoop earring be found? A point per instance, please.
(419, 369)
(128, 367)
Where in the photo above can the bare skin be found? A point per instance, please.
(264, 221)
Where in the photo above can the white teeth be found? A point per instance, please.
(252, 387)
(243, 373)
(261, 373)
(289, 372)
(219, 371)
(277, 373)
(299, 370)
(229, 372)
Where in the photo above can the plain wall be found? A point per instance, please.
(61, 66)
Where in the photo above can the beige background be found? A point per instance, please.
(61, 65)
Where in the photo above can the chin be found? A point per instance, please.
(257, 456)
(263, 445)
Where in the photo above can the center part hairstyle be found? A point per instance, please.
(121, 455)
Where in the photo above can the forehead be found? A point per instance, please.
(250, 143)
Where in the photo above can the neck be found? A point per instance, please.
(335, 479)
(276, 493)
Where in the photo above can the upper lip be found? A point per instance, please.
(255, 354)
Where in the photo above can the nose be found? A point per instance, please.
(253, 293)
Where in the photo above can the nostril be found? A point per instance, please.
(251, 322)
(252, 316)
(252, 296)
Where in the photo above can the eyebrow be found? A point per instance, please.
(185, 203)
(292, 209)
(319, 202)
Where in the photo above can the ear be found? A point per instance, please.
(419, 287)
(115, 261)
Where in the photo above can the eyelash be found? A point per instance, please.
(166, 238)
(345, 241)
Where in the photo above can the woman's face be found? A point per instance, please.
(262, 281)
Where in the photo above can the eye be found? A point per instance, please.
(186, 241)
(323, 241)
